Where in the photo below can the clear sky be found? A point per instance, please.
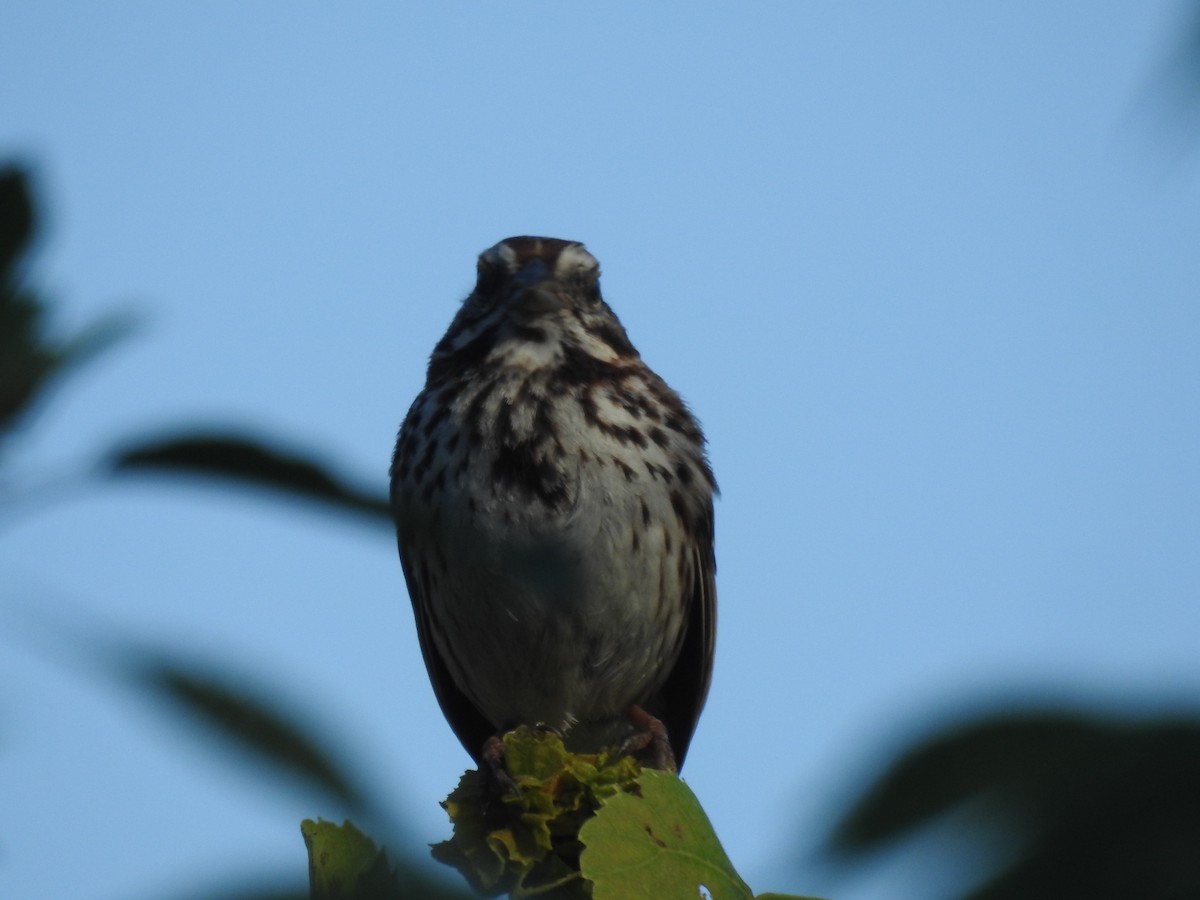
(929, 276)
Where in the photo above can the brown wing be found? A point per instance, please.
(686, 687)
(468, 724)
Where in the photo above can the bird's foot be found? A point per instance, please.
(493, 771)
(649, 742)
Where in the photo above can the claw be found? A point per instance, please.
(650, 742)
(493, 772)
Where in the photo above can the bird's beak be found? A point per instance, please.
(536, 292)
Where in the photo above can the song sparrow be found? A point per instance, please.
(554, 510)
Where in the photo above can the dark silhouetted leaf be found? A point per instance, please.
(248, 721)
(29, 359)
(1096, 807)
(17, 220)
(240, 458)
(25, 358)
(1016, 752)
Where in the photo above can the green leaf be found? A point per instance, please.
(249, 460)
(345, 864)
(660, 845)
(642, 833)
(527, 843)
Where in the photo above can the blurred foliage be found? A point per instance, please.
(1071, 805)
(252, 462)
(1183, 68)
(30, 359)
(252, 723)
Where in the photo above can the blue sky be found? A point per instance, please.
(929, 277)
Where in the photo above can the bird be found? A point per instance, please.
(553, 502)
